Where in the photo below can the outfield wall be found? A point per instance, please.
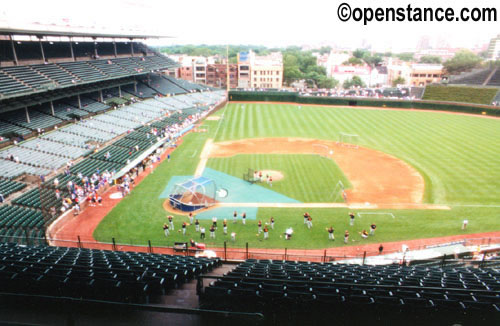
(292, 97)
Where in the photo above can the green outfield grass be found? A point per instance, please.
(307, 178)
(458, 157)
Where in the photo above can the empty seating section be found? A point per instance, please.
(83, 71)
(7, 187)
(63, 137)
(143, 91)
(109, 68)
(114, 120)
(95, 107)
(86, 130)
(19, 217)
(62, 111)
(56, 73)
(50, 147)
(278, 284)
(185, 84)
(7, 128)
(164, 85)
(95, 274)
(34, 157)
(37, 119)
(9, 85)
(11, 170)
(29, 76)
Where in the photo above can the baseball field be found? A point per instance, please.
(414, 174)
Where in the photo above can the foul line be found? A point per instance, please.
(204, 157)
(333, 205)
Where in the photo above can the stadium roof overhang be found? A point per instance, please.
(33, 32)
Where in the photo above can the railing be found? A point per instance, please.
(231, 252)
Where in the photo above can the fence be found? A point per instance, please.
(231, 252)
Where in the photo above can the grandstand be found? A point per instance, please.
(57, 93)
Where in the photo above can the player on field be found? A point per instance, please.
(372, 229)
(330, 233)
(351, 216)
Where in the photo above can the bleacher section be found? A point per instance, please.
(62, 111)
(271, 286)
(95, 274)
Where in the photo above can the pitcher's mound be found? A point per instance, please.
(277, 175)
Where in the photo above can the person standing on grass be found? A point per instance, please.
(233, 236)
(266, 233)
(464, 224)
(243, 218)
(202, 233)
(171, 221)
(212, 232)
(191, 217)
(372, 229)
(260, 226)
(346, 236)
(224, 224)
(306, 216)
(272, 222)
(351, 216)
(309, 222)
(214, 222)
(184, 226)
(235, 216)
(165, 229)
(330, 233)
(197, 225)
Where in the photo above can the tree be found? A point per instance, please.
(360, 53)
(405, 56)
(463, 60)
(325, 82)
(355, 81)
(398, 81)
(430, 59)
(325, 49)
(372, 60)
(353, 61)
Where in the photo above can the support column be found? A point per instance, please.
(114, 46)
(95, 50)
(119, 91)
(41, 49)
(52, 108)
(135, 87)
(27, 115)
(13, 50)
(100, 96)
(132, 47)
(79, 101)
(71, 48)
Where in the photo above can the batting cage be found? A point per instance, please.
(193, 194)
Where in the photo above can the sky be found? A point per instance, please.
(259, 22)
